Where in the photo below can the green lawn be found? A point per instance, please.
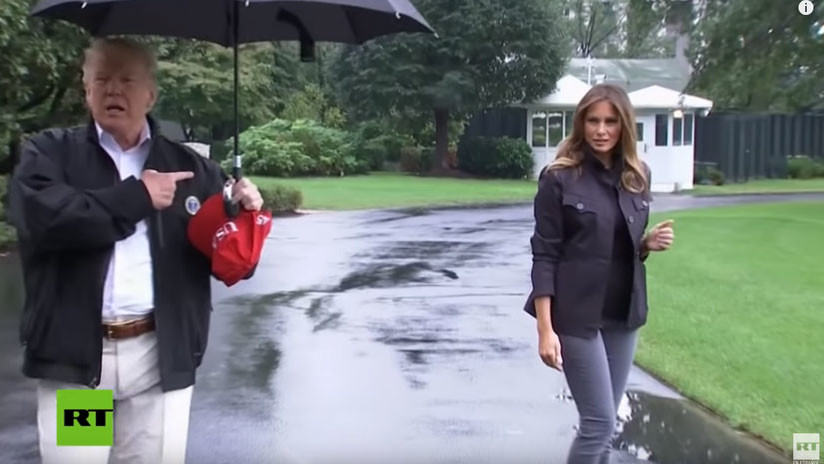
(392, 190)
(763, 186)
(737, 315)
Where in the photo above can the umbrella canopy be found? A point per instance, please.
(347, 21)
(233, 22)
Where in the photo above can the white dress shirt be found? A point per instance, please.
(129, 290)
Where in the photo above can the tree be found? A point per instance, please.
(487, 53)
(39, 73)
(595, 25)
(626, 28)
(196, 82)
(759, 55)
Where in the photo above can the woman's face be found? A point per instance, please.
(602, 127)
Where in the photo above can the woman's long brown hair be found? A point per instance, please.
(571, 150)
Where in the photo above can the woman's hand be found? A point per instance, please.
(660, 237)
(549, 347)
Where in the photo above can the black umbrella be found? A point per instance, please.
(232, 22)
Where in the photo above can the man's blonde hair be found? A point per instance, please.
(105, 45)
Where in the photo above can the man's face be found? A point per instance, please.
(120, 91)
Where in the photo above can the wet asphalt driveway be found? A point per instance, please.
(392, 336)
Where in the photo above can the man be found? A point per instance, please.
(116, 296)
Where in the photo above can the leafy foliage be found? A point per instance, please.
(281, 198)
(504, 157)
(297, 148)
(488, 53)
(804, 167)
(39, 72)
(759, 55)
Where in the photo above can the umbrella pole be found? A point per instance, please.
(236, 170)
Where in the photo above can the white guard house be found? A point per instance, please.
(665, 124)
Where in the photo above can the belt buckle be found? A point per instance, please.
(109, 332)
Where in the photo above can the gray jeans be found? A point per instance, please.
(596, 370)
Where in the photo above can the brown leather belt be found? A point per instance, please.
(128, 329)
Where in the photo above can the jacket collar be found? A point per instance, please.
(91, 129)
(611, 175)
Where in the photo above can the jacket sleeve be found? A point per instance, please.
(547, 238)
(648, 194)
(52, 215)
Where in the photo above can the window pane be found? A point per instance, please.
(688, 129)
(677, 127)
(639, 131)
(570, 117)
(556, 128)
(661, 133)
(539, 130)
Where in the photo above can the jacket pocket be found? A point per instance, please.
(579, 218)
(578, 203)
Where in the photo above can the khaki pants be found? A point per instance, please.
(149, 426)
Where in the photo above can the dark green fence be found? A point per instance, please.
(753, 146)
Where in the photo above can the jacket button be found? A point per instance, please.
(580, 206)
(644, 202)
(631, 219)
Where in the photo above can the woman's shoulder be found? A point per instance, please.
(562, 174)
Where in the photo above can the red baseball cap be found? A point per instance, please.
(233, 244)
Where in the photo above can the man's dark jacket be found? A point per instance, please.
(70, 207)
(572, 247)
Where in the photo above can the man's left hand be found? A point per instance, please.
(247, 194)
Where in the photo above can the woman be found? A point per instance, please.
(588, 277)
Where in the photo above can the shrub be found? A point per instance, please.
(7, 233)
(297, 148)
(502, 157)
(715, 176)
(708, 175)
(4, 182)
(281, 199)
(376, 143)
(411, 158)
(804, 167)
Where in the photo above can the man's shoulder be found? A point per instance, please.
(59, 135)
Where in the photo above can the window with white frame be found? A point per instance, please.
(550, 128)
(682, 129)
(539, 130)
(555, 128)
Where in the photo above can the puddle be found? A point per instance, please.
(671, 431)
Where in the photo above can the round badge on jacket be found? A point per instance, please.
(192, 205)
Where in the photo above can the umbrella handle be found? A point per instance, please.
(232, 209)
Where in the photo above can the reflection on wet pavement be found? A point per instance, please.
(674, 431)
(390, 336)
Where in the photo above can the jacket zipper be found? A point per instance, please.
(102, 280)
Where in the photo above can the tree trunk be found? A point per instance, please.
(442, 139)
